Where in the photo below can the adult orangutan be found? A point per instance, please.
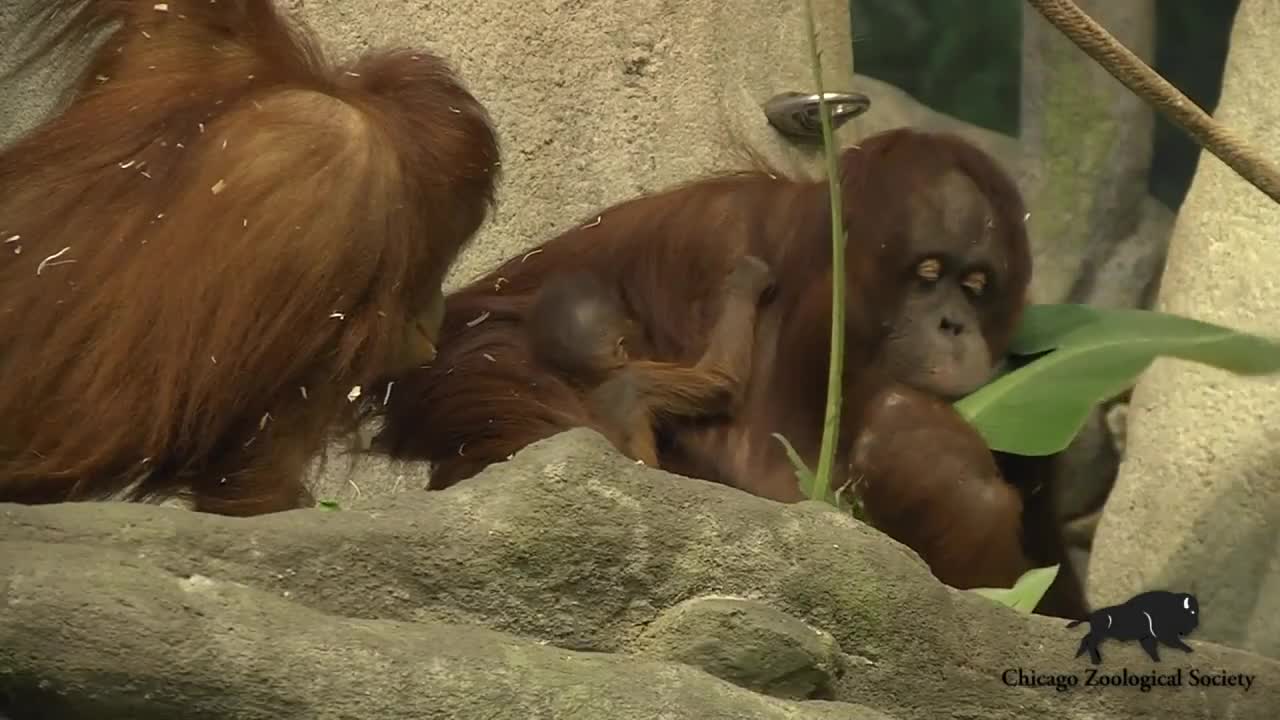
(212, 243)
(938, 267)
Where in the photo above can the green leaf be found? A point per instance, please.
(1026, 592)
(1044, 326)
(803, 473)
(328, 505)
(1096, 354)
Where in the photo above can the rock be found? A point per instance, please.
(747, 643)
(1117, 420)
(569, 546)
(154, 643)
(893, 108)
(1087, 145)
(1196, 506)
(350, 476)
(1127, 273)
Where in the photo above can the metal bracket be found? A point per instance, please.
(796, 114)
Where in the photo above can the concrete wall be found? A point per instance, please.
(1196, 506)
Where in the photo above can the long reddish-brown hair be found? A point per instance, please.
(213, 240)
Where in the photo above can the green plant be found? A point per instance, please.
(1089, 355)
(819, 482)
(1026, 592)
(816, 485)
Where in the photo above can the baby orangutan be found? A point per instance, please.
(580, 330)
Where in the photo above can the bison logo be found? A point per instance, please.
(1150, 618)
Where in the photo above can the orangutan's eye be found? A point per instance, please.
(929, 270)
(975, 283)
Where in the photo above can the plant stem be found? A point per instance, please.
(835, 373)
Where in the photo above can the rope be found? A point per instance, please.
(1129, 69)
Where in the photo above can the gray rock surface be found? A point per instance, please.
(747, 643)
(892, 108)
(1087, 150)
(410, 608)
(155, 644)
(1196, 506)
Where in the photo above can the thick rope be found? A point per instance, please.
(1129, 69)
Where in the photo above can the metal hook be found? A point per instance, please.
(796, 114)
